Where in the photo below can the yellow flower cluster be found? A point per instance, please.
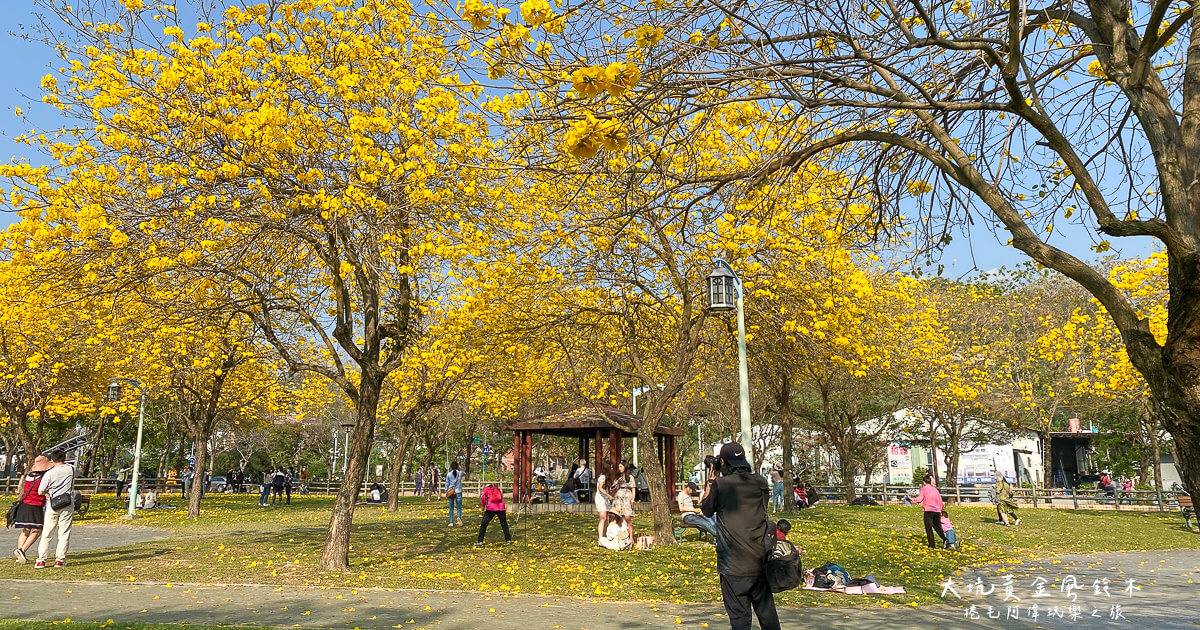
(536, 12)
(588, 136)
(478, 14)
(648, 35)
(616, 79)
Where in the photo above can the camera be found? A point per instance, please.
(713, 464)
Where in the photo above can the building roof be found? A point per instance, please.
(583, 422)
(1078, 435)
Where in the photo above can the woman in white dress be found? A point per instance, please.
(603, 502)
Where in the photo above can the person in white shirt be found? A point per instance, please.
(617, 536)
(691, 515)
(57, 482)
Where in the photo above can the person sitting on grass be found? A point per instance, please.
(691, 515)
(566, 492)
(782, 529)
(617, 536)
(948, 529)
(801, 496)
(376, 493)
(146, 500)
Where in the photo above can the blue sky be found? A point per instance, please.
(29, 61)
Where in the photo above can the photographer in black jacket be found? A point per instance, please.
(739, 500)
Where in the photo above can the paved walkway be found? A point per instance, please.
(1166, 585)
(93, 537)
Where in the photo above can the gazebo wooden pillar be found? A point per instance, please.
(672, 460)
(522, 466)
(517, 466)
(614, 451)
(599, 456)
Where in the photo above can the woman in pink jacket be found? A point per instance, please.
(492, 501)
(931, 504)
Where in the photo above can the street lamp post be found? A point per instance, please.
(114, 394)
(725, 294)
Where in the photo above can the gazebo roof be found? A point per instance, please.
(583, 422)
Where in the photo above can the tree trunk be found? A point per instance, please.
(94, 446)
(162, 457)
(1047, 464)
(469, 449)
(18, 420)
(198, 472)
(846, 466)
(336, 553)
(397, 464)
(785, 425)
(1186, 431)
(107, 464)
(660, 495)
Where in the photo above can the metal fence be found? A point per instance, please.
(92, 485)
(1078, 498)
(1070, 498)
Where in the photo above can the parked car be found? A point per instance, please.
(218, 483)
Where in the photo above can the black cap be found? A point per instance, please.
(734, 456)
(693, 487)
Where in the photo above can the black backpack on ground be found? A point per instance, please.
(783, 568)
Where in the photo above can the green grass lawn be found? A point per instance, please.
(236, 541)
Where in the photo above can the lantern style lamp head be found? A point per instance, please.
(114, 392)
(722, 289)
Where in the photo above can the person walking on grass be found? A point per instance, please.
(931, 504)
(31, 512)
(287, 484)
(122, 480)
(58, 482)
(776, 490)
(1006, 507)
(265, 491)
(278, 479)
(492, 502)
(454, 492)
(185, 481)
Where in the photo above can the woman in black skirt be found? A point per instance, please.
(31, 511)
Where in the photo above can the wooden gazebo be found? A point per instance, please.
(591, 425)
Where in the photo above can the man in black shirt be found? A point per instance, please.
(739, 500)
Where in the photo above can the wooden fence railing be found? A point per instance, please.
(1079, 498)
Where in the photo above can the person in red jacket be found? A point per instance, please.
(492, 501)
(30, 513)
